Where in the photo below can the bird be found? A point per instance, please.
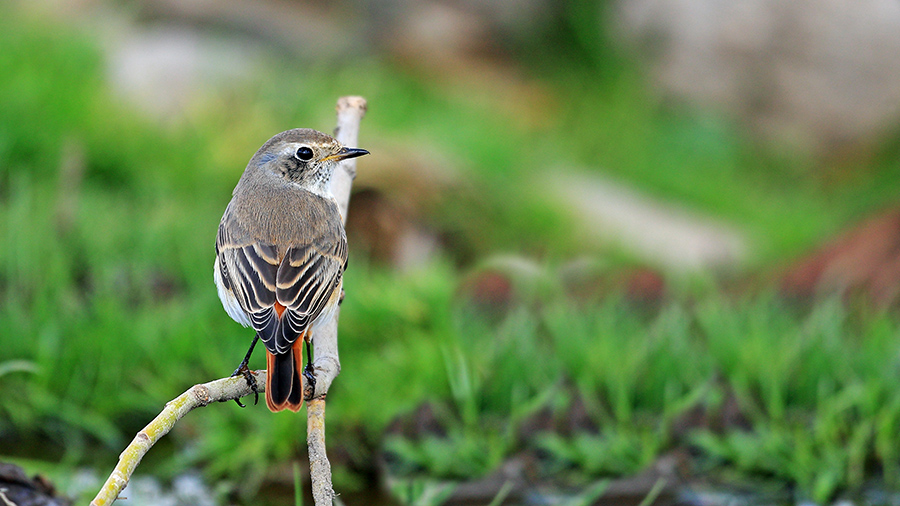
(281, 252)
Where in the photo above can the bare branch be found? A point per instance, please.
(197, 396)
(319, 467)
(350, 110)
(327, 365)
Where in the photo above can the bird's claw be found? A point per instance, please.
(244, 371)
(309, 390)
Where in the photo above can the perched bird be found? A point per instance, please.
(281, 251)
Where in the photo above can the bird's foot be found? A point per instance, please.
(309, 386)
(244, 371)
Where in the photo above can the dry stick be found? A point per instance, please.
(197, 396)
(350, 110)
(327, 366)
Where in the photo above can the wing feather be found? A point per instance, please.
(248, 269)
(301, 277)
(307, 278)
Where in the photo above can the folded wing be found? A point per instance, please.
(302, 280)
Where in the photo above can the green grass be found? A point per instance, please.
(817, 388)
(107, 280)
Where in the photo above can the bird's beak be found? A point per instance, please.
(346, 153)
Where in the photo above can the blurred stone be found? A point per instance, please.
(862, 261)
(386, 233)
(165, 69)
(164, 54)
(390, 210)
(504, 281)
(443, 31)
(314, 31)
(18, 489)
(490, 290)
(459, 46)
(588, 280)
(645, 285)
(654, 231)
(457, 26)
(179, 51)
(815, 74)
(66, 9)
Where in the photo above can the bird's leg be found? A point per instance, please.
(243, 367)
(244, 371)
(309, 373)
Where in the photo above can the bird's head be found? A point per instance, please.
(304, 157)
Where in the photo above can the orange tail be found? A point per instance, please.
(284, 383)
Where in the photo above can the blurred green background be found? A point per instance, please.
(594, 240)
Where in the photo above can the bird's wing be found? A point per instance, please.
(302, 281)
(248, 269)
(307, 279)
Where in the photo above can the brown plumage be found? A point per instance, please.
(281, 251)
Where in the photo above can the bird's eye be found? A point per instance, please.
(304, 154)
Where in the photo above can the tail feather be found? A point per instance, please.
(284, 383)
